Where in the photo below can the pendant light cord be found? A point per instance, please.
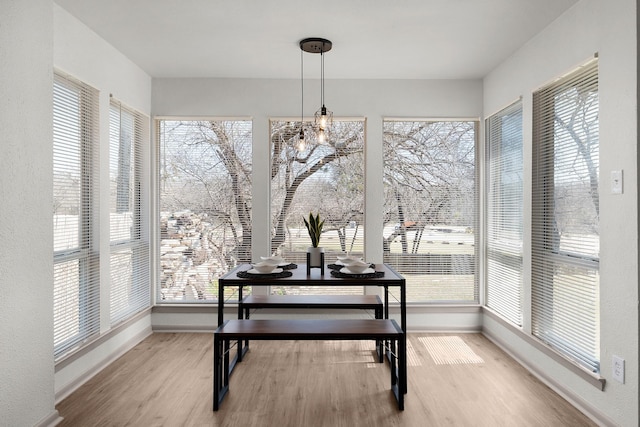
(302, 89)
(322, 75)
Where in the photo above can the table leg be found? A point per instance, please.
(379, 343)
(240, 343)
(386, 313)
(403, 326)
(220, 302)
(217, 371)
(402, 364)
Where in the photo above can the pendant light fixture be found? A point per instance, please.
(323, 117)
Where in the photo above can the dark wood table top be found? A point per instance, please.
(299, 277)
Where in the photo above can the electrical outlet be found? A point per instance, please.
(618, 369)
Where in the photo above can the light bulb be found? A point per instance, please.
(302, 144)
(322, 123)
(322, 137)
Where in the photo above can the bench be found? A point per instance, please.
(308, 329)
(359, 302)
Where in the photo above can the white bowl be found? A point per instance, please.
(273, 259)
(265, 266)
(357, 266)
(348, 258)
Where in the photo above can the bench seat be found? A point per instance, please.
(358, 302)
(363, 302)
(307, 329)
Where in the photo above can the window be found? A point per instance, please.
(565, 230)
(76, 287)
(205, 205)
(430, 207)
(129, 257)
(504, 213)
(325, 178)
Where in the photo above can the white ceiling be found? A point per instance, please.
(389, 39)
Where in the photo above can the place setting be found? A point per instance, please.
(271, 266)
(350, 266)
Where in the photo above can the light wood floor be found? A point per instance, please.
(167, 381)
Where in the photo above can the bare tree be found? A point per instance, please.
(429, 177)
(333, 197)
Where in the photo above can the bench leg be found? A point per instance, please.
(403, 365)
(220, 372)
(243, 347)
(398, 374)
(379, 343)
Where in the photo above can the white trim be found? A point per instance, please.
(53, 419)
(197, 118)
(585, 62)
(500, 109)
(312, 118)
(430, 119)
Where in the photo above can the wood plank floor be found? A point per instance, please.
(454, 380)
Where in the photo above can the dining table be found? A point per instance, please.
(385, 277)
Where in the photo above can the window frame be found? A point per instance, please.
(507, 300)
(346, 140)
(577, 273)
(212, 296)
(86, 253)
(441, 263)
(135, 280)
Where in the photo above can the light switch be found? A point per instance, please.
(616, 182)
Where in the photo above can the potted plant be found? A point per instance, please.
(314, 227)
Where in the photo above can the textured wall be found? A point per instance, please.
(26, 269)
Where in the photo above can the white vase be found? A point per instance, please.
(315, 257)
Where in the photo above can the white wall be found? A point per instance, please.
(26, 266)
(609, 28)
(81, 53)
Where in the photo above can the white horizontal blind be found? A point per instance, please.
(76, 289)
(130, 290)
(205, 205)
(325, 178)
(430, 207)
(565, 227)
(504, 213)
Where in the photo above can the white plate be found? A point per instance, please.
(254, 271)
(345, 270)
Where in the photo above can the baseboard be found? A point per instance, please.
(583, 406)
(53, 419)
(184, 328)
(86, 376)
(444, 329)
